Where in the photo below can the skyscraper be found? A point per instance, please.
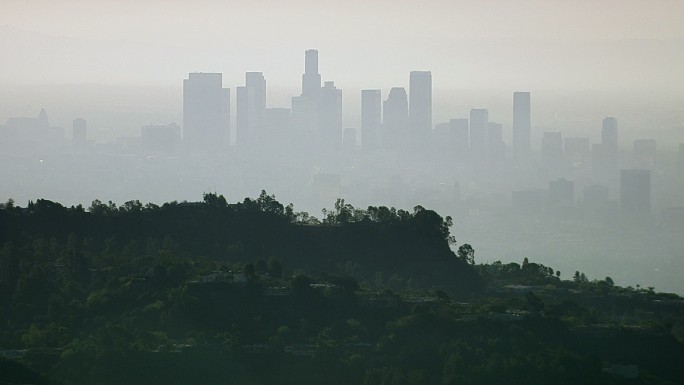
(479, 122)
(521, 125)
(311, 80)
(395, 118)
(371, 118)
(245, 115)
(420, 105)
(206, 106)
(552, 148)
(330, 117)
(250, 109)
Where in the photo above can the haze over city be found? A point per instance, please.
(597, 186)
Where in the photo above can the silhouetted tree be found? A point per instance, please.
(466, 253)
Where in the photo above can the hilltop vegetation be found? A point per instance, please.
(255, 293)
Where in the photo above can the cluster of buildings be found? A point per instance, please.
(398, 156)
(401, 122)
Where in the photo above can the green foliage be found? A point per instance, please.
(205, 293)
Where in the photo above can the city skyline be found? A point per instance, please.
(591, 92)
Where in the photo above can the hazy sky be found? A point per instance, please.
(516, 44)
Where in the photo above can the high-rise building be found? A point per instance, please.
(522, 125)
(256, 81)
(330, 117)
(552, 148)
(420, 104)
(206, 106)
(371, 118)
(479, 122)
(635, 191)
(311, 80)
(245, 115)
(79, 134)
(304, 122)
(395, 118)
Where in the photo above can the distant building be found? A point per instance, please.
(395, 118)
(562, 192)
(330, 117)
(311, 80)
(635, 191)
(552, 148)
(245, 113)
(79, 133)
(479, 122)
(595, 196)
(304, 127)
(250, 109)
(608, 151)
(206, 116)
(158, 139)
(420, 105)
(371, 118)
(522, 125)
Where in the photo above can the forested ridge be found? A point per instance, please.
(256, 293)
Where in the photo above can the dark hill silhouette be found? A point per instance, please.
(413, 245)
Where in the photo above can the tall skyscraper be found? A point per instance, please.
(395, 118)
(311, 80)
(330, 117)
(371, 118)
(420, 105)
(250, 109)
(522, 125)
(206, 112)
(245, 115)
(479, 121)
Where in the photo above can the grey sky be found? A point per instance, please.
(467, 44)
